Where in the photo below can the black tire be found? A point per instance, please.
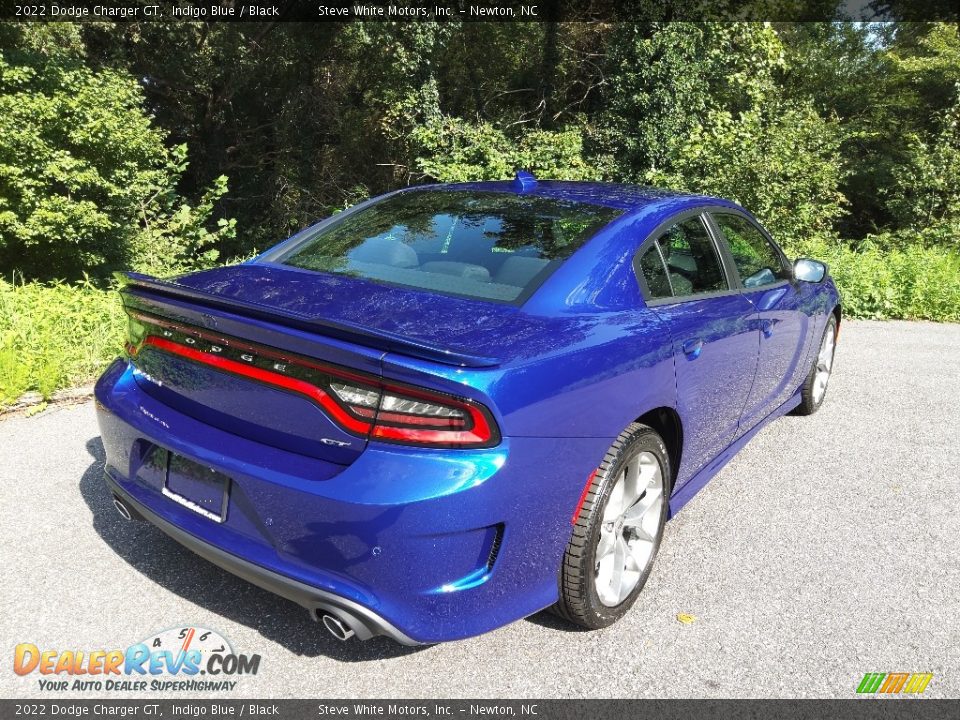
(809, 403)
(579, 601)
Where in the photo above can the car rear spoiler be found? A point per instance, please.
(134, 285)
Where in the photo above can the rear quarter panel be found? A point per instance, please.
(588, 360)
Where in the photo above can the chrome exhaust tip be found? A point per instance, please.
(337, 627)
(122, 508)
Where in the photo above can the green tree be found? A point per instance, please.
(699, 107)
(84, 174)
(893, 89)
(924, 193)
(307, 118)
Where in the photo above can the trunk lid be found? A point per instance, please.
(442, 328)
(245, 375)
(215, 333)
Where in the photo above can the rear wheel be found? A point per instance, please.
(814, 388)
(617, 531)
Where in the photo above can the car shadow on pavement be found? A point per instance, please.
(167, 563)
(547, 619)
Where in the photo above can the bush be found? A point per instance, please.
(698, 107)
(87, 182)
(55, 336)
(781, 163)
(175, 238)
(454, 150)
(915, 282)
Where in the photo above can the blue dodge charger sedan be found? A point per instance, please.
(452, 406)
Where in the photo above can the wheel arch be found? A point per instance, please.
(665, 421)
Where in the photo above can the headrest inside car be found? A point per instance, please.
(386, 251)
(477, 273)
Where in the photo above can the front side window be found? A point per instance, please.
(757, 262)
(692, 264)
(485, 245)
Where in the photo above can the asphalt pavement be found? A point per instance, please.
(828, 548)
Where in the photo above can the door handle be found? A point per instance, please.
(692, 348)
(766, 327)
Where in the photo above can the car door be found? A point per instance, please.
(713, 329)
(766, 279)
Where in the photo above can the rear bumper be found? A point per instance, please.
(363, 621)
(419, 545)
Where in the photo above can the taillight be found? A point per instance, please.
(358, 403)
(420, 417)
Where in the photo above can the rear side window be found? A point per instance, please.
(490, 246)
(688, 258)
(655, 273)
(757, 262)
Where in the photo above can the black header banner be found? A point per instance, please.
(474, 10)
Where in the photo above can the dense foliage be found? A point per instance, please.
(699, 106)
(822, 129)
(87, 182)
(116, 141)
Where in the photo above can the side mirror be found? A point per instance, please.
(811, 271)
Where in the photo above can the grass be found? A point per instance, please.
(55, 336)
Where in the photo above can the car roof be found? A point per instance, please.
(614, 195)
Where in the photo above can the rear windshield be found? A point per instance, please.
(491, 246)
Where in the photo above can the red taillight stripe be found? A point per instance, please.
(259, 350)
(265, 376)
(482, 432)
(583, 498)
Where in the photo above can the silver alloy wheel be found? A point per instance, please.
(628, 533)
(824, 364)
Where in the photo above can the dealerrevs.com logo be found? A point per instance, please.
(179, 659)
